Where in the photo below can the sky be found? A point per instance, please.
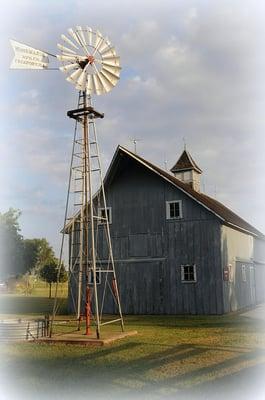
(192, 71)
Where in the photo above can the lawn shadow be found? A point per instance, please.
(210, 379)
(30, 305)
(198, 321)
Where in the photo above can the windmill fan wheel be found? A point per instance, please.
(89, 60)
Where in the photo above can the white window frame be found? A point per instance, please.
(90, 274)
(168, 209)
(183, 274)
(109, 211)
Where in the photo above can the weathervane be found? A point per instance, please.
(92, 65)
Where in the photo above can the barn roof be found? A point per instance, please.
(185, 162)
(227, 216)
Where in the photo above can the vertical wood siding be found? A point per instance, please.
(149, 249)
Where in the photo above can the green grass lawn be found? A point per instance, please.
(171, 357)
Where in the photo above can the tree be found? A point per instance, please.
(31, 253)
(37, 252)
(11, 244)
(18, 255)
(49, 273)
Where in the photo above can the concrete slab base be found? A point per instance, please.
(81, 339)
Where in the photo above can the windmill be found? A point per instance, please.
(91, 64)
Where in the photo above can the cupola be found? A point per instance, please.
(187, 171)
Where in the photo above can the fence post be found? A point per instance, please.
(47, 324)
(27, 332)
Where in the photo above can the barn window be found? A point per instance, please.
(188, 273)
(174, 209)
(244, 274)
(102, 215)
(91, 277)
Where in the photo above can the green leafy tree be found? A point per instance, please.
(37, 252)
(49, 273)
(11, 244)
(18, 255)
(31, 253)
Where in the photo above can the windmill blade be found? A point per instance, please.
(74, 76)
(111, 70)
(67, 57)
(108, 52)
(81, 82)
(106, 83)
(68, 54)
(65, 49)
(65, 38)
(104, 45)
(69, 67)
(112, 78)
(90, 85)
(89, 35)
(97, 84)
(74, 36)
(111, 64)
(102, 83)
(81, 37)
(98, 40)
(81, 34)
(115, 59)
(27, 57)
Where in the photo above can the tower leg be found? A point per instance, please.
(88, 311)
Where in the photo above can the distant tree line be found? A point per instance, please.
(19, 256)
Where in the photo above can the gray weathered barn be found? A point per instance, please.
(177, 250)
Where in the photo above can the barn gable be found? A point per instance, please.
(225, 215)
(139, 197)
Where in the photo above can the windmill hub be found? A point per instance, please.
(83, 63)
(90, 59)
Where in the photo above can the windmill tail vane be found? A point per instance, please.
(27, 57)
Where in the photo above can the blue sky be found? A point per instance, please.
(192, 69)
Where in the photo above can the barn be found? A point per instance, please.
(176, 250)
